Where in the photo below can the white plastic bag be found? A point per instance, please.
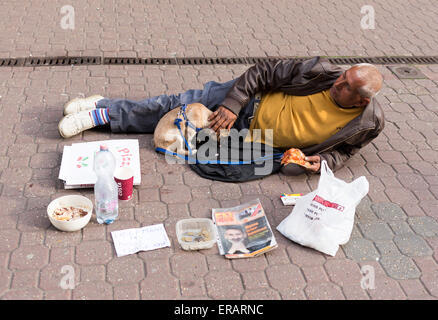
(323, 219)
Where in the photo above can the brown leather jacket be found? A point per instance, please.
(303, 78)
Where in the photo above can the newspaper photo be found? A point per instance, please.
(243, 231)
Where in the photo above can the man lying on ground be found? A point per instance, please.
(312, 105)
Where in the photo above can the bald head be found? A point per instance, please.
(356, 86)
(370, 77)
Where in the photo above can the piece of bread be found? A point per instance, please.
(296, 156)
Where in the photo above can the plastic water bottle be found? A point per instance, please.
(105, 189)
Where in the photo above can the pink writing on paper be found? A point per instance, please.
(125, 155)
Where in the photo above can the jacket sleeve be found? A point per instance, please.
(263, 76)
(335, 160)
(336, 157)
(341, 152)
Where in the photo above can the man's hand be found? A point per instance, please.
(315, 162)
(222, 118)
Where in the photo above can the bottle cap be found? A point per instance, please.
(103, 147)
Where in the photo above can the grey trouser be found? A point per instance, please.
(143, 116)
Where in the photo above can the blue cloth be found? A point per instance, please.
(143, 116)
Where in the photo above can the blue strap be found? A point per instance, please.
(182, 111)
(188, 123)
(187, 158)
(191, 125)
(195, 160)
(178, 121)
(178, 125)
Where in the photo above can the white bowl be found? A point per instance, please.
(70, 201)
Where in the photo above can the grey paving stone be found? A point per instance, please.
(400, 267)
(388, 211)
(355, 233)
(400, 227)
(364, 211)
(424, 226)
(412, 245)
(387, 248)
(360, 249)
(376, 230)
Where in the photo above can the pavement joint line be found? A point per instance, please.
(187, 61)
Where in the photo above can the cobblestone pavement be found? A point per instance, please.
(161, 28)
(396, 227)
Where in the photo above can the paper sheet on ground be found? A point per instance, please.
(77, 161)
(147, 238)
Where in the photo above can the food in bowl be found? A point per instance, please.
(73, 212)
(69, 213)
(196, 235)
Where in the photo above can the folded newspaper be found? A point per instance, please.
(243, 231)
(77, 161)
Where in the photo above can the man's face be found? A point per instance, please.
(344, 90)
(233, 235)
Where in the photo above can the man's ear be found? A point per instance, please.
(364, 101)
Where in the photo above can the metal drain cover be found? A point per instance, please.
(401, 66)
(407, 72)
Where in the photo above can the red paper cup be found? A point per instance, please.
(125, 179)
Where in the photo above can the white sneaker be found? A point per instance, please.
(73, 124)
(81, 104)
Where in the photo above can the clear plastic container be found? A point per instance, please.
(196, 233)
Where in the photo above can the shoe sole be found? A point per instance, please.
(60, 132)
